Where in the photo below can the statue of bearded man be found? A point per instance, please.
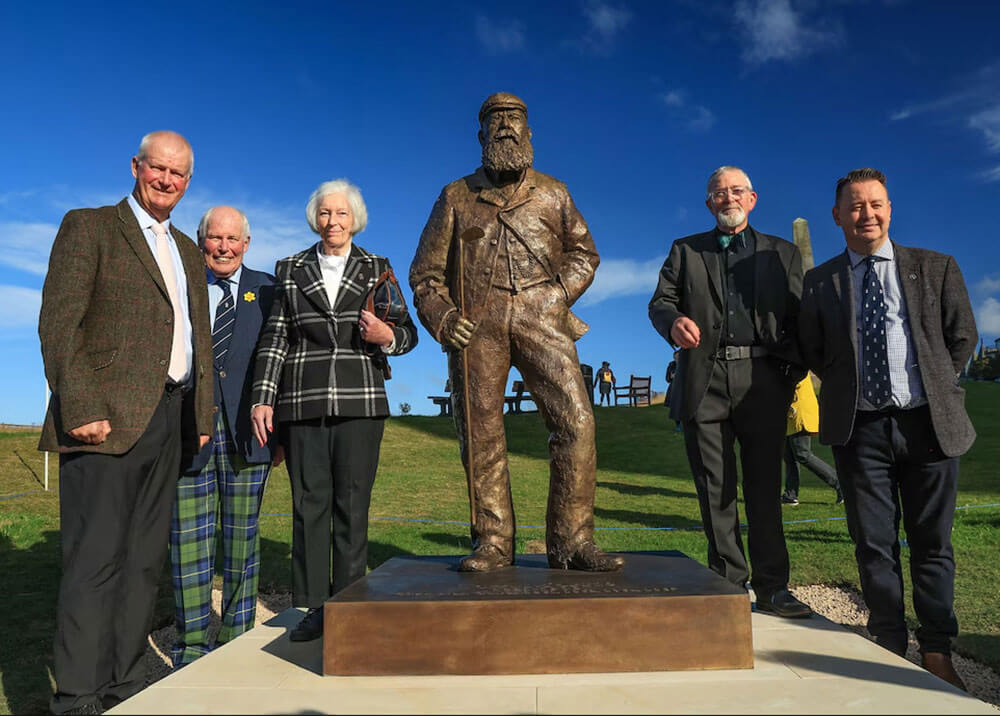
(503, 256)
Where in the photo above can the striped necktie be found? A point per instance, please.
(877, 387)
(222, 329)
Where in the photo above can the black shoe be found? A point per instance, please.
(788, 499)
(88, 709)
(840, 498)
(311, 626)
(784, 604)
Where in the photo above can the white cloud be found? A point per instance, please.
(499, 36)
(987, 121)
(622, 277)
(25, 245)
(605, 20)
(987, 285)
(777, 31)
(974, 103)
(695, 117)
(21, 307)
(988, 317)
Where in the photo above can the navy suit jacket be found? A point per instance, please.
(232, 378)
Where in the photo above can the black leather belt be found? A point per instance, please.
(740, 352)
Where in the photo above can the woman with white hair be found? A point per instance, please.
(319, 376)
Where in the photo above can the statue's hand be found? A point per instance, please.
(457, 331)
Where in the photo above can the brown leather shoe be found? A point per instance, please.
(587, 557)
(485, 558)
(940, 665)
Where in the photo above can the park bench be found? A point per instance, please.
(637, 390)
(513, 402)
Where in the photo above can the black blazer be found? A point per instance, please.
(232, 378)
(311, 361)
(690, 284)
(942, 326)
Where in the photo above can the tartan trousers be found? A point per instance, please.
(227, 491)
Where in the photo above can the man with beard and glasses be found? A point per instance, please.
(503, 256)
(730, 298)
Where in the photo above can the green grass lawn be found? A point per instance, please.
(645, 501)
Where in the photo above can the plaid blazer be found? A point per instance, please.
(106, 331)
(311, 361)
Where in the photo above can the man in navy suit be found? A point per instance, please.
(223, 485)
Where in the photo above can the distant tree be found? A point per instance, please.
(404, 408)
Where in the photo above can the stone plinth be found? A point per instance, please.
(419, 615)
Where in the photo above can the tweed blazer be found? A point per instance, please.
(311, 361)
(942, 326)
(233, 373)
(690, 284)
(106, 328)
(471, 214)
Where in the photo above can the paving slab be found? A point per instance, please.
(801, 666)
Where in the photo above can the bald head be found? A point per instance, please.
(224, 237)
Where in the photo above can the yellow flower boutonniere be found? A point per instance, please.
(249, 296)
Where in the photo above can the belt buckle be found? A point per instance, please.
(732, 352)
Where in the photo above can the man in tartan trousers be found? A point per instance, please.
(224, 484)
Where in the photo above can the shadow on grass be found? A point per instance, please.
(31, 585)
(456, 544)
(643, 490)
(817, 536)
(646, 519)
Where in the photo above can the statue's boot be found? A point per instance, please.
(485, 558)
(588, 557)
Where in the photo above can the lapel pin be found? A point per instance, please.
(913, 277)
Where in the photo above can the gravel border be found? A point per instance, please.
(843, 605)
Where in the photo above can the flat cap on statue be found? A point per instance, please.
(501, 100)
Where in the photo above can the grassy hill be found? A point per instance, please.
(645, 501)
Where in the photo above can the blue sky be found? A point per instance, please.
(632, 105)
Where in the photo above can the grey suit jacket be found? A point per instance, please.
(941, 324)
(106, 327)
(690, 284)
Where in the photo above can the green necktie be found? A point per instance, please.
(726, 239)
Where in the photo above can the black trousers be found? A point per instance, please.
(746, 401)
(798, 451)
(331, 465)
(892, 467)
(114, 527)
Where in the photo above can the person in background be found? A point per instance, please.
(803, 421)
(671, 378)
(605, 382)
(126, 341)
(888, 329)
(223, 485)
(319, 379)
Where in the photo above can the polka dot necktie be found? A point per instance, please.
(877, 388)
(222, 329)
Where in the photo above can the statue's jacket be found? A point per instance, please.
(471, 215)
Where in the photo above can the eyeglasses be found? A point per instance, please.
(738, 193)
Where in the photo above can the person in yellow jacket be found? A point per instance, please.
(803, 421)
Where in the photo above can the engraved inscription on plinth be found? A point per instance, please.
(419, 615)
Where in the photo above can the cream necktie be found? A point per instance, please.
(178, 359)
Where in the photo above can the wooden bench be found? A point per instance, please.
(443, 402)
(637, 390)
(513, 402)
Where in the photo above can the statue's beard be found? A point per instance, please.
(506, 155)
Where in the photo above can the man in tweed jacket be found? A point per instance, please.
(898, 454)
(125, 339)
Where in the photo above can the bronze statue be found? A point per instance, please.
(503, 256)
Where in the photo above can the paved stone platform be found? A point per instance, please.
(809, 666)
